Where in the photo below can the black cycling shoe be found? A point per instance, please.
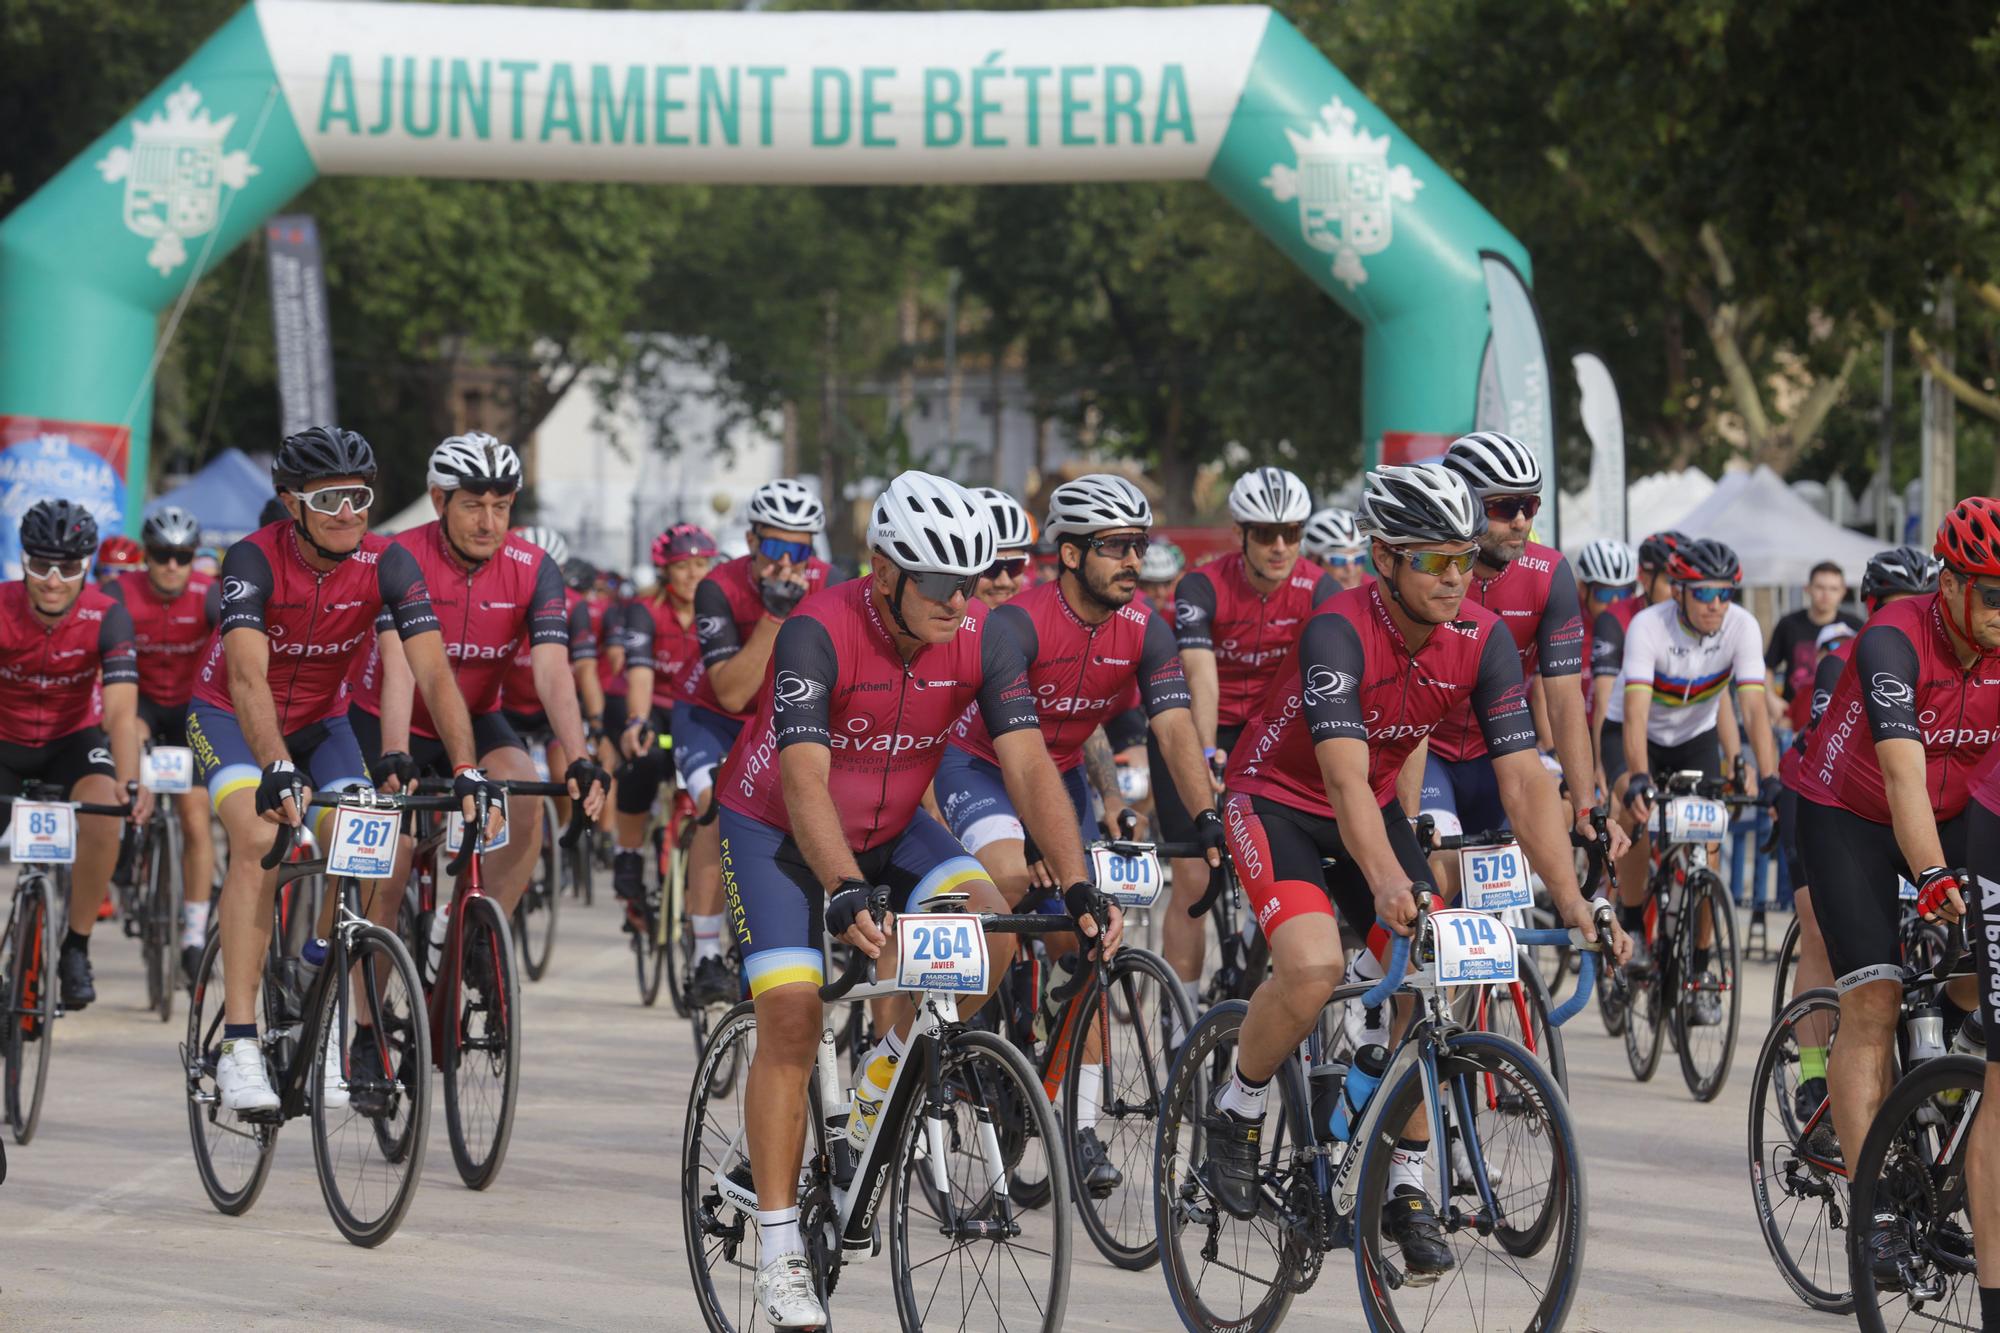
(1410, 1221)
(190, 961)
(1889, 1253)
(628, 881)
(1231, 1172)
(1099, 1176)
(1807, 1100)
(367, 1092)
(78, 987)
(713, 983)
(478, 974)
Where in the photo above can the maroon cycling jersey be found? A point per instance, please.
(1535, 598)
(836, 679)
(727, 606)
(514, 598)
(49, 673)
(1250, 634)
(318, 623)
(1351, 676)
(607, 628)
(1082, 674)
(1825, 676)
(170, 634)
(1902, 681)
(656, 638)
(517, 690)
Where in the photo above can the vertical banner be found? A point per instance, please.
(299, 323)
(1604, 423)
(1514, 393)
(50, 460)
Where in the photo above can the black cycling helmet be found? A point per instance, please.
(579, 574)
(58, 530)
(1656, 550)
(1901, 569)
(319, 452)
(1704, 561)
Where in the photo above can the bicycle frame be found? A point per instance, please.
(442, 1002)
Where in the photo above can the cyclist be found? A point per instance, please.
(174, 611)
(821, 801)
(1607, 650)
(737, 611)
(1315, 779)
(1159, 572)
(118, 556)
(1016, 535)
(1236, 618)
(1683, 656)
(1884, 788)
(1530, 587)
(490, 592)
(521, 702)
(59, 642)
(1333, 541)
(1794, 651)
(1087, 646)
(664, 651)
(268, 722)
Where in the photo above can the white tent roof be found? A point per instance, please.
(1778, 536)
(1651, 504)
(414, 515)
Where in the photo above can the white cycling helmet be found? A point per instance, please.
(932, 525)
(476, 460)
(1011, 527)
(1094, 503)
(547, 538)
(1420, 504)
(171, 528)
(1163, 563)
(1269, 495)
(789, 506)
(1332, 531)
(1608, 562)
(1494, 464)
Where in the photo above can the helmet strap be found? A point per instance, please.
(1396, 596)
(896, 605)
(1954, 631)
(305, 535)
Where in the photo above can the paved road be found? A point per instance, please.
(103, 1223)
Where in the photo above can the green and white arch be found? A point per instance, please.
(290, 90)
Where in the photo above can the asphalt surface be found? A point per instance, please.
(103, 1222)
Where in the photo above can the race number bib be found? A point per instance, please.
(454, 836)
(1494, 879)
(941, 951)
(44, 834)
(1695, 819)
(1129, 881)
(363, 844)
(169, 768)
(1473, 949)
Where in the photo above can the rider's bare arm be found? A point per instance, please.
(399, 691)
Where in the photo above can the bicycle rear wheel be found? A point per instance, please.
(163, 902)
(1708, 988)
(29, 971)
(231, 1155)
(482, 1047)
(979, 1261)
(672, 934)
(1644, 1010)
(1913, 1167)
(535, 913)
(1788, 960)
(1131, 1027)
(1797, 1178)
(369, 1155)
(648, 953)
(721, 1230)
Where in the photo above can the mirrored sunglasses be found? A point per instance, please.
(1507, 508)
(330, 500)
(1435, 563)
(771, 548)
(1010, 568)
(1271, 534)
(41, 567)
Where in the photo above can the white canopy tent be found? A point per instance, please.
(1651, 504)
(1778, 536)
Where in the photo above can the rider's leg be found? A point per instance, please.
(1982, 1183)
(507, 871)
(774, 1092)
(1440, 802)
(1861, 1064)
(704, 885)
(244, 914)
(197, 863)
(1183, 939)
(97, 839)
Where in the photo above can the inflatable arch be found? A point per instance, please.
(292, 89)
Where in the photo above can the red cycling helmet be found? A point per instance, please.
(683, 541)
(118, 554)
(1969, 538)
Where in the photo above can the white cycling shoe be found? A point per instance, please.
(333, 1086)
(786, 1295)
(240, 1077)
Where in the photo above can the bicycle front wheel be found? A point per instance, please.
(718, 1214)
(232, 1155)
(482, 1047)
(30, 976)
(535, 914)
(672, 935)
(1520, 1012)
(1708, 1003)
(1788, 960)
(1798, 1180)
(369, 1154)
(162, 913)
(979, 1261)
(1516, 1213)
(1645, 1015)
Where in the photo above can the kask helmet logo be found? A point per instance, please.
(174, 174)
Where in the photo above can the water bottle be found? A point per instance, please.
(1325, 1081)
(1370, 1063)
(434, 957)
(312, 957)
(1926, 1033)
(1971, 1038)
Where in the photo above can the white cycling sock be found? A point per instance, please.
(707, 936)
(194, 925)
(778, 1233)
(1243, 1099)
(1406, 1165)
(1089, 1093)
(1367, 967)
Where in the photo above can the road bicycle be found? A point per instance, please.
(963, 1111)
(150, 895)
(44, 827)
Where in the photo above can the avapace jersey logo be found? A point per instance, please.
(1890, 691)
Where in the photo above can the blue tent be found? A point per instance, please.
(226, 495)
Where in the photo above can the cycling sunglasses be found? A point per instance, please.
(771, 548)
(1270, 534)
(1605, 594)
(1119, 548)
(1507, 508)
(1011, 568)
(1342, 561)
(941, 588)
(162, 555)
(1435, 563)
(41, 567)
(1989, 595)
(1705, 595)
(330, 500)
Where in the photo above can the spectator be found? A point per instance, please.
(1795, 641)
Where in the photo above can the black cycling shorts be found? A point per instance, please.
(531, 727)
(1701, 754)
(1171, 820)
(59, 764)
(639, 779)
(490, 732)
(1293, 863)
(1853, 865)
(614, 714)
(1982, 936)
(166, 725)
